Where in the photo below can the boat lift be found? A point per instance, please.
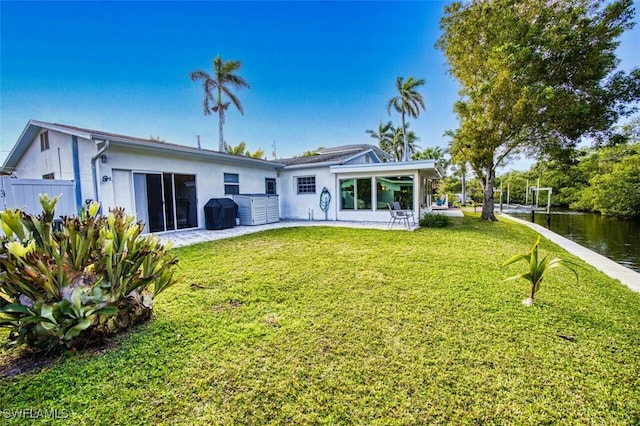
(530, 190)
(537, 190)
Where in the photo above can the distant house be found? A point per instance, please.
(167, 185)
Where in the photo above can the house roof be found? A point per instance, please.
(335, 155)
(34, 127)
(427, 167)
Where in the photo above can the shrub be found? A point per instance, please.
(434, 220)
(71, 287)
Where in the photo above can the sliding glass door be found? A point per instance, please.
(165, 201)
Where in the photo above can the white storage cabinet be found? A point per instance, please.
(257, 209)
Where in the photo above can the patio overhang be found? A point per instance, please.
(426, 168)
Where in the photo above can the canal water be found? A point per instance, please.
(617, 239)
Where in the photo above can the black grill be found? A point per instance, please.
(220, 213)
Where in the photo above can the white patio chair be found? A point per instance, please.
(397, 216)
(408, 213)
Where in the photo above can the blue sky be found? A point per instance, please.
(320, 73)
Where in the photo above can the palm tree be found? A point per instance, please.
(224, 78)
(235, 150)
(433, 153)
(401, 147)
(407, 102)
(384, 136)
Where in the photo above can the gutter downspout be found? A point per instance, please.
(4, 194)
(93, 169)
(76, 172)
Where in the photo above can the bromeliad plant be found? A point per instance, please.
(93, 278)
(537, 269)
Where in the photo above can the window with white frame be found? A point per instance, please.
(44, 140)
(306, 184)
(231, 183)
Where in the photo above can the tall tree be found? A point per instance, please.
(403, 147)
(384, 136)
(224, 79)
(535, 77)
(407, 102)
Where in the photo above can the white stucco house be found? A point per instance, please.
(361, 180)
(167, 185)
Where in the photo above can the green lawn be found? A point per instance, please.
(340, 326)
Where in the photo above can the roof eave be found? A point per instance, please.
(192, 152)
(30, 131)
(309, 165)
(384, 167)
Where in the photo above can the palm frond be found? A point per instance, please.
(206, 107)
(526, 276)
(399, 83)
(237, 81)
(234, 99)
(395, 103)
(516, 258)
(198, 75)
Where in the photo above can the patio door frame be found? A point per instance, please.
(141, 199)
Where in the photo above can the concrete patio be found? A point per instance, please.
(192, 236)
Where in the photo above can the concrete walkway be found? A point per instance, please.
(627, 276)
(188, 237)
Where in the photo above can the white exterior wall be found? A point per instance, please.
(36, 163)
(122, 163)
(297, 206)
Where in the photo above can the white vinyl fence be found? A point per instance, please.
(24, 194)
